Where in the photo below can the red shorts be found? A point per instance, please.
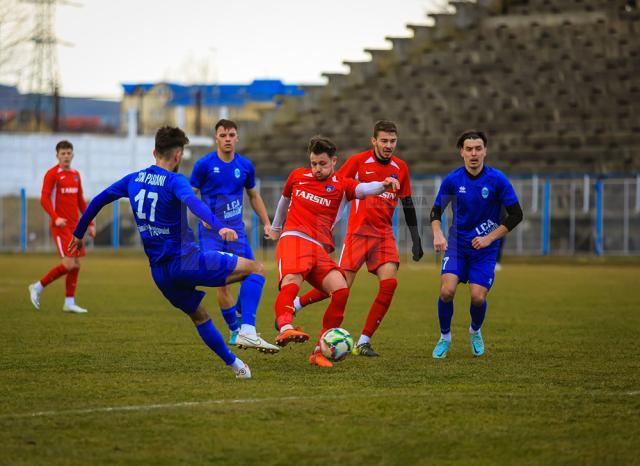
(62, 238)
(375, 251)
(299, 255)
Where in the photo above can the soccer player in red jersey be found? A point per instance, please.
(62, 199)
(312, 200)
(369, 232)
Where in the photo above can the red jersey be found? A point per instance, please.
(373, 216)
(315, 204)
(62, 195)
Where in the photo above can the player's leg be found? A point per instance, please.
(481, 275)
(315, 295)
(289, 287)
(335, 285)
(36, 289)
(448, 284)
(71, 282)
(227, 305)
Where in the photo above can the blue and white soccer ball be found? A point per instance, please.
(336, 344)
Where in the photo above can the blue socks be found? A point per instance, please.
(445, 314)
(477, 316)
(230, 318)
(249, 298)
(214, 340)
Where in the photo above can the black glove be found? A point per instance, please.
(416, 249)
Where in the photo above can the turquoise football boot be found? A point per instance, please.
(233, 337)
(477, 343)
(441, 349)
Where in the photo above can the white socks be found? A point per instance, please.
(284, 328)
(69, 301)
(472, 331)
(446, 336)
(237, 364)
(247, 329)
(296, 304)
(363, 339)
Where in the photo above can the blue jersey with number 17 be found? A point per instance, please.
(476, 202)
(222, 186)
(156, 196)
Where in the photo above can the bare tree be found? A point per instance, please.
(15, 34)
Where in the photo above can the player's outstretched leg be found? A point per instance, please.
(445, 314)
(252, 275)
(478, 310)
(212, 338)
(312, 296)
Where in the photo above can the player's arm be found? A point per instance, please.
(411, 219)
(374, 188)
(45, 199)
(440, 204)
(274, 230)
(257, 204)
(183, 191)
(106, 197)
(82, 206)
(512, 219)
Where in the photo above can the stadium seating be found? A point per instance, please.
(555, 83)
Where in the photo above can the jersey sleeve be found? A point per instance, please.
(45, 197)
(288, 186)
(349, 168)
(115, 191)
(405, 183)
(349, 185)
(507, 194)
(82, 204)
(182, 190)
(445, 194)
(198, 175)
(250, 182)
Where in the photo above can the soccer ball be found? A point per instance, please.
(336, 344)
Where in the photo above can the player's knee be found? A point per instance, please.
(478, 299)
(447, 294)
(200, 316)
(257, 268)
(340, 296)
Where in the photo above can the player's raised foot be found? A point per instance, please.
(74, 308)
(256, 342)
(441, 349)
(318, 359)
(233, 336)
(294, 334)
(365, 349)
(34, 294)
(477, 343)
(243, 373)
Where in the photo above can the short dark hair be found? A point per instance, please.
(321, 145)
(471, 134)
(226, 124)
(168, 139)
(64, 144)
(387, 126)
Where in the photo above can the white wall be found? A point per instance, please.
(101, 160)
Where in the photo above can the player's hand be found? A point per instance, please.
(75, 245)
(60, 222)
(92, 231)
(416, 250)
(391, 183)
(228, 234)
(439, 243)
(481, 242)
(271, 233)
(205, 224)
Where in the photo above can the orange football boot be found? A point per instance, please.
(318, 359)
(295, 335)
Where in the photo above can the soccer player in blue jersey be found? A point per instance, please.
(476, 193)
(159, 198)
(221, 177)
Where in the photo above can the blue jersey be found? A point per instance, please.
(476, 203)
(157, 199)
(222, 186)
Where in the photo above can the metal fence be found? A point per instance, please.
(562, 216)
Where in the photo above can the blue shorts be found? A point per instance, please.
(475, 266)
(211, 241)
(178, 278)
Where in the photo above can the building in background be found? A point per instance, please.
(197, 107)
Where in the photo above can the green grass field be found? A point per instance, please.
(131, 382)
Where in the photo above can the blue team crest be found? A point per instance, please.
(75, 178)
(485, 192)
(394, 175)
(329, 188)
(236, 173)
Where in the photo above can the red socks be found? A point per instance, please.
(380, 306)
(284, 304)
(312, 296)
(334, 314)
(53, 274)
(71, 282)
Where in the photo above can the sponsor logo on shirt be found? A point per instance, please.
(236, 173)
(312, 197)
(485, 192)
(69, 190)
(486, 227)
(462, 190)
(388, 195)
